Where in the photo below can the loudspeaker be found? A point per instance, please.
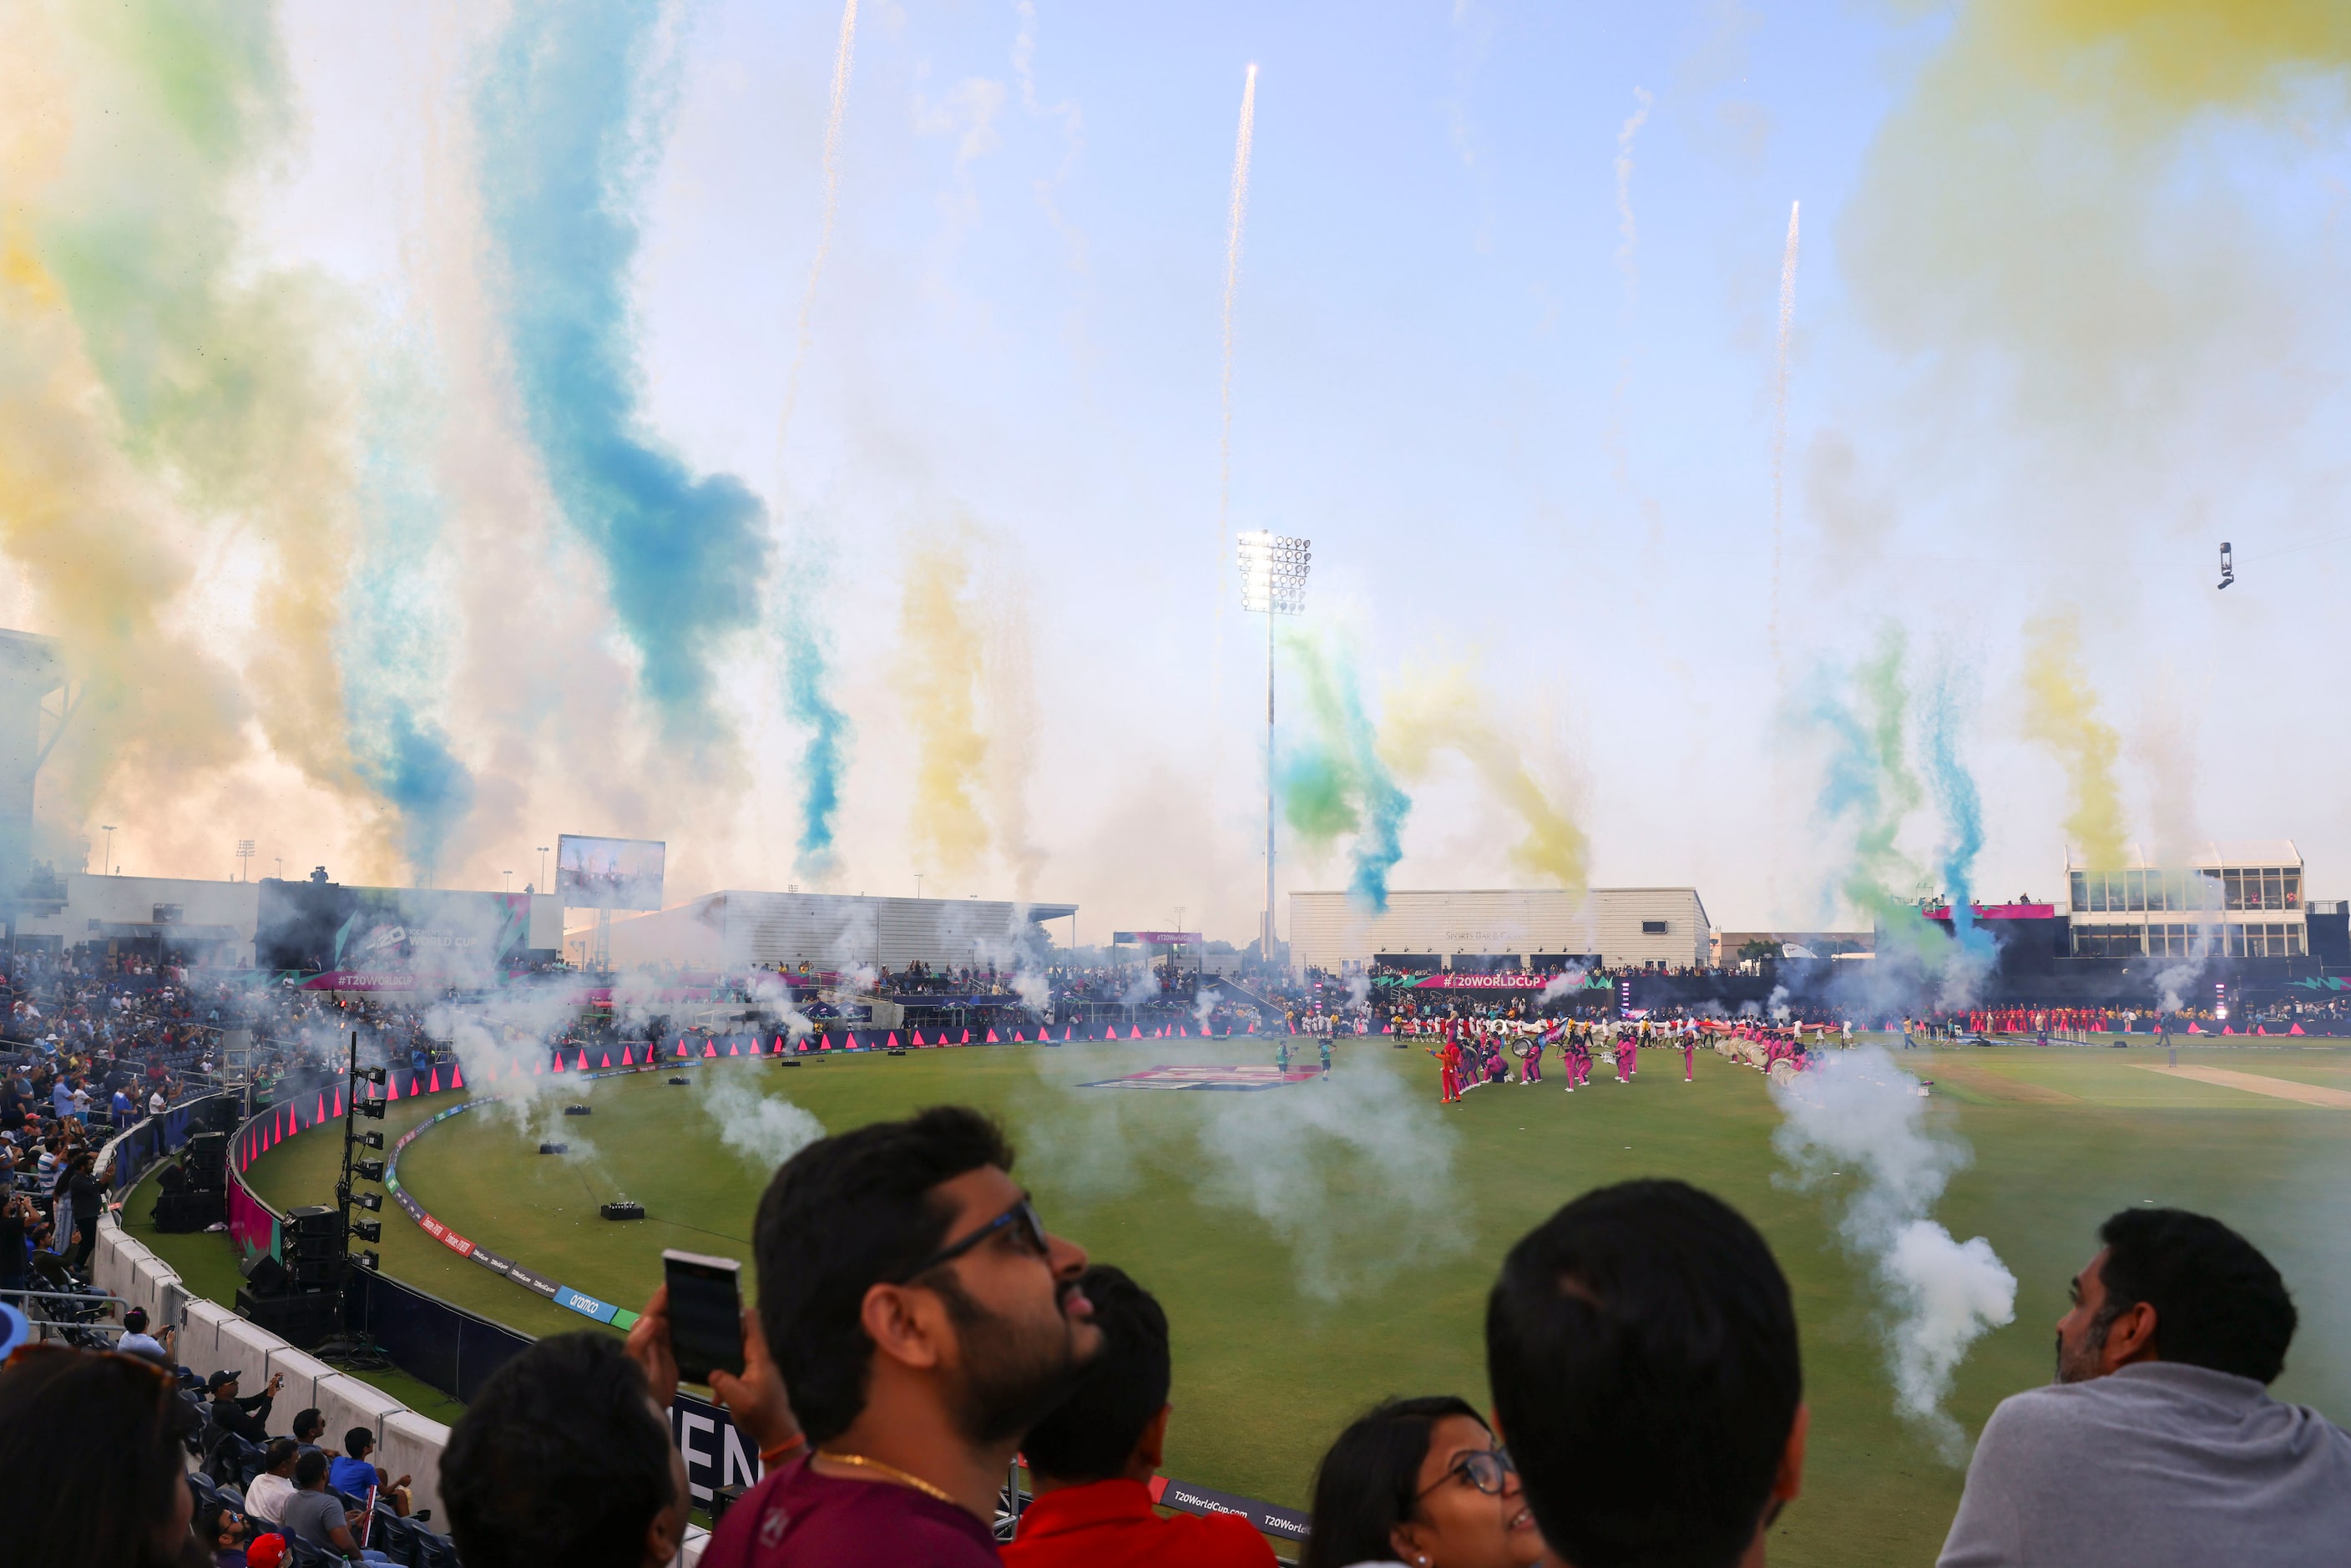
(190, 1208)
(313, 1233)
(208, 1160)
(625, 1209)
(266, 1276)
(304, 1321)
(221, 1115)
(317, 1274)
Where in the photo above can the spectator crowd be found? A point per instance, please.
(917, 1326)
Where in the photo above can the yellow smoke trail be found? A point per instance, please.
(1233, 225)
(2045, 202)
(1442, 711)
(843, 58)
(230, 383)
(2062, 713)
(939, 648)
(97, 546)
(1779, 420)
(1011, 721)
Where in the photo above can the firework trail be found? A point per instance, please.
(1232, 289)
(842, 62)
(1627, 235)
(1779, 420)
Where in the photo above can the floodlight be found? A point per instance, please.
(1273, 572)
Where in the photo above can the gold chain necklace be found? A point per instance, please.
(892, 1471)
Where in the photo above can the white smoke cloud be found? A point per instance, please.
(1858, 1113)
(764, 1129)
(1352, 1174)
(1204, 1009)
(1559, 985)
(1359, 989)
(1144, 986)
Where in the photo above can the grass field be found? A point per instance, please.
(1305, 1276)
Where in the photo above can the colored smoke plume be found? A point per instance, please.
(1444, 712)
(2062, 713)
(1860, 1116)
(571, 112)
(396, 633)
(1567, 982)
(824, 756)
(98, 545)
(2038, 218)
(1962, 811)
(939, 647)
(217, 373)
(1335, 781)
(1868, 790)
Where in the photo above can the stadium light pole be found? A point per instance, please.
(542, 868)
(1273, 580)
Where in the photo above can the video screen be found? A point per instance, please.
(609, 873)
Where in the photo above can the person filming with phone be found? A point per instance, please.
(924, 1321)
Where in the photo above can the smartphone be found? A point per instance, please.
(706, 1314)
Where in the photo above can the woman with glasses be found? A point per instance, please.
(1421, 1482)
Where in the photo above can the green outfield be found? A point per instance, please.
(1306, 1274)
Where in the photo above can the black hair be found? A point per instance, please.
(90, 1460)
(561, 1457)
(1642, 1349)
(280, 1449)
(1370, 1481)
(1091, 1434)
(212, 1520)
(841, 1216)
(2218, 1302)
(135, 1321)
(358, 1441)
(310, 1469)
(308, 1424)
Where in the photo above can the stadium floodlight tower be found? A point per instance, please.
(1273, 580)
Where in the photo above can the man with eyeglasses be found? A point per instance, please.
(922, 1319)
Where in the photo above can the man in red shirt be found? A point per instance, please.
(1094, 1458)
(923, 1320)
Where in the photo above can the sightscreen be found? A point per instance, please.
(609, 873)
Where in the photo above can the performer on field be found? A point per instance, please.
(1690, 1052)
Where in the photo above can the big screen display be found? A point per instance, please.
(388, 932)
(609, 873)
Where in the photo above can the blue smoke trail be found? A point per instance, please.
(1955, 793)
(821, 763)
(1869, 782)
(568, 140)
(395, 627)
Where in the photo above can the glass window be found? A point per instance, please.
(2097, 892)
(2233, 888)
(2293, 887)
(2293, 941)
(2272, 889)
(2081, 891)
(2134, 890)
(2208, 890)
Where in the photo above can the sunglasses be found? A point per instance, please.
(1483, 1469)
(1020, 1220)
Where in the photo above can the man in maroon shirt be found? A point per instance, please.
(923, 1320)
(1094, 1456)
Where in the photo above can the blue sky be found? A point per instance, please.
(1517, 444)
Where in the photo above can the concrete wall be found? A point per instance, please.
(1327, 930)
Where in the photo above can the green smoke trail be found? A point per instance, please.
(1334, 780)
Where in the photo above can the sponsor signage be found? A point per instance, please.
(586, 1305)
(1282, 1523)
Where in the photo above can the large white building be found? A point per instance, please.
(829, 931)
(2242, 898)
(1623, 926)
